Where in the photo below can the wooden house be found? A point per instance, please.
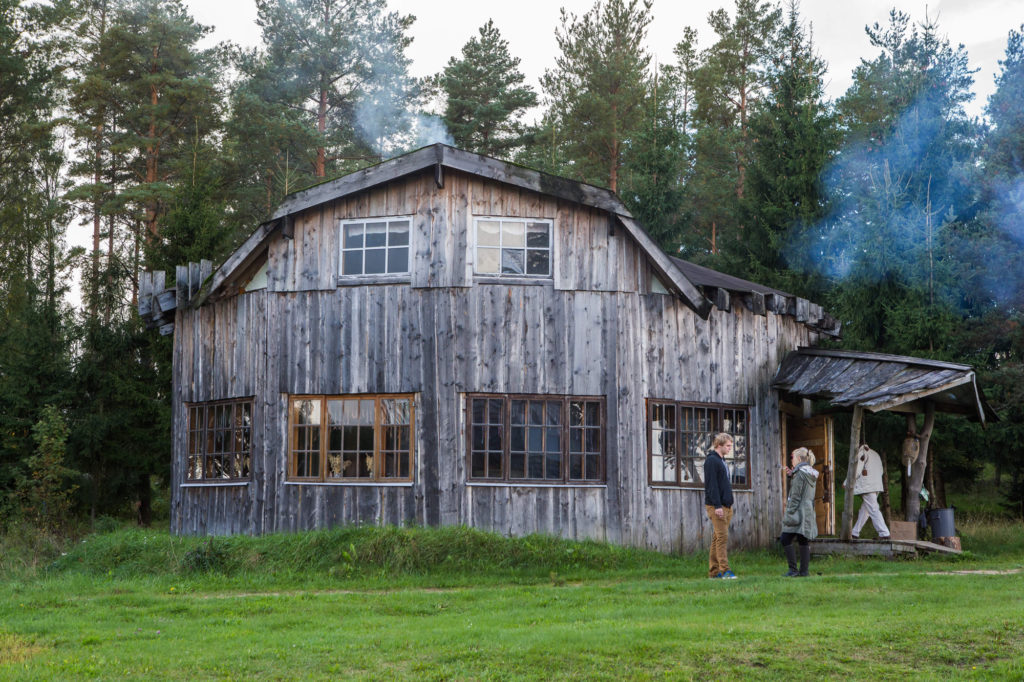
(446, 338)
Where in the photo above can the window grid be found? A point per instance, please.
(535, 438)
(679, 436)
(219, 440)
(375, 247)
(513, 246)
(351, 438)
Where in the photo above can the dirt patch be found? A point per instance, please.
(15, 649)
(1008, 571)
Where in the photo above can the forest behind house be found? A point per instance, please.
(890, 206)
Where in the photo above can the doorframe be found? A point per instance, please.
(788, 412)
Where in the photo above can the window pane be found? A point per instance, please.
(374, 264)
(366, 438)
(553, 468)
(593, 414)
(306, 412)
(487, 233)
(536, 439)
(593, 472)
(536, 412)
(537, 235)
(398, 260)
(536, 466)
(478, 465)
(478, 438)
(513, 233)
(494, 411)
(376, 234)
(354, 236)
(352, 263)
(538, 262)
(593, 440)
(517, 439)
(494, 438)
(575, 413)
(488, 260)
(479, 407)
(554, 413)
(576, 467)
(394, 411)
(575, 440)
(554, 440)
(494, 465)
(517, 465)
(518, 412)
(398, 233)
(512, 261)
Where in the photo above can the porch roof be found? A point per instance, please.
(878, 381)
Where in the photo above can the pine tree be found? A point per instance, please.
(597, 91)
(728, 84)
(341, 65)
(485, 95)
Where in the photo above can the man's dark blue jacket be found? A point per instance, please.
(717, 488)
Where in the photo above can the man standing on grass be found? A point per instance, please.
(718, 502)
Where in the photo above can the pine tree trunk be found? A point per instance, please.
(913, 509)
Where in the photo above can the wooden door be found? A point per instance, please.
(814, 433)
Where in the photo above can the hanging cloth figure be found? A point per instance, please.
(911, 450)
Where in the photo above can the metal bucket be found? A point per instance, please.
(941, 522)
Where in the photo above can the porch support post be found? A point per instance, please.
(851, 473)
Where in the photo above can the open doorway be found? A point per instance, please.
(814, 433)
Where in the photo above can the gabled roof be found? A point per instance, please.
(438, 157)
(878, 381)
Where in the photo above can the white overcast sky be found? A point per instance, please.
(443, 26)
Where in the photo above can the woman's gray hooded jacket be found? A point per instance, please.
(799, 516)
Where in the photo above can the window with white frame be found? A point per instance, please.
(513, 246)
(375, 247)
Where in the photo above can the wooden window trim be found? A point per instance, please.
(204, 453)
(506, 278)
(565, 429)
(351, 279)
(377, 477)
(678, 431)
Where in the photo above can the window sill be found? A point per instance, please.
(356, 484)
(359, 280)
(215, 484)
(521, 280)
(697, 489)
(532, 484)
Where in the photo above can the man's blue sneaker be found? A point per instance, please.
(717, 575)
(728, 575)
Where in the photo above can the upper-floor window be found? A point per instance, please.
(359, 438)
(375, 247)
(219, 440)
(536, 438)
(513, 246)
(679, 435)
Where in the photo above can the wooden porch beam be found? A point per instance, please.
(851, 473)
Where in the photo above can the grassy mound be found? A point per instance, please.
(351, 552)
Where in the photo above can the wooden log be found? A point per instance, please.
(167, 329)
(167, 300)
(181, 285)
(145, 304)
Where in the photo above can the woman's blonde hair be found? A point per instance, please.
(805, 455)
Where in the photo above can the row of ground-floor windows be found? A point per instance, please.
(510, 438)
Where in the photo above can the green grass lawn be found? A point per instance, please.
(459, 604)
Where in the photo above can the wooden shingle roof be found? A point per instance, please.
(877, 381)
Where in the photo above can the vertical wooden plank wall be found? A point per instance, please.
(590, 331)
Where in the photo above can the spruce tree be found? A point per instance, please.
(485, 95)
(794, 137)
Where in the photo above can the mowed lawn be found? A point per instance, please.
(653, 618)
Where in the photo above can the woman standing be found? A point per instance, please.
(799, 520)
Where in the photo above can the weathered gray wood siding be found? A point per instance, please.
(589, 331)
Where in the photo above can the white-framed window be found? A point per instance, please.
(377, 246)
(513, 246)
